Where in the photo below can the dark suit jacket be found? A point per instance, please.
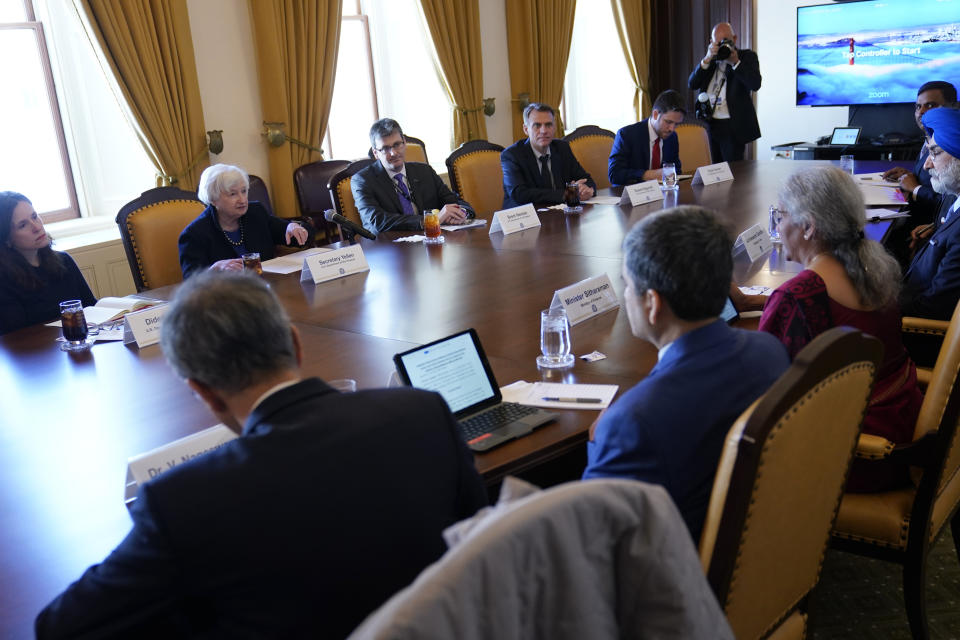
(20, 307)
(740, 82)
(925, 205)
(326, 505)
(522, 182)
(931, 285)
(375, 195)
(630, 155)
(202, 243)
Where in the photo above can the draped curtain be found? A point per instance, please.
(296, 44)
(455, 29)
(633, 26)
(538, 43)
(147, 46)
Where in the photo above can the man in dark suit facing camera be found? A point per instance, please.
(640, 149)
(392, 194)
(537, 168)
(325, 506)
(727, 76)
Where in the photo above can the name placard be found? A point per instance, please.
(586, 299)
(334, 264)
(756, 241)
(515, 219)
(712, 174)
(641, 193)
(143, 327)
(151, 464)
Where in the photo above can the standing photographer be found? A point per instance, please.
(724, 79)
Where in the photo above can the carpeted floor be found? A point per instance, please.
(861, 598)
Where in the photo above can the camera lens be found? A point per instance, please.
(725, 49)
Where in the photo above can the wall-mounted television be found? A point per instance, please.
(875, 51)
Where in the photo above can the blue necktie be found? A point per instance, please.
(405, 203)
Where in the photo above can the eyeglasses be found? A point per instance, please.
(395, 147)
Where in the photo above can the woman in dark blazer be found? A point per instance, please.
(231, 226)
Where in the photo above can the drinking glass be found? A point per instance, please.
(554, 339)
(846, 164)
(571, 198)
(668, 177)
(774, 225)
(344, 385)
(431, 226)
(251, 261)
(74, 325)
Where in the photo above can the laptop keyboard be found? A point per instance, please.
(498, 416)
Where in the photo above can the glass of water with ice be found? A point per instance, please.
(668, 177)
(554, 339)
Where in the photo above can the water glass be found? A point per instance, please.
(571, 198)
(668, 177)
(774, 226)
(344, 385)
(74, 326)
(554, 339)
(846, 164)
(251, 262)
(431, 226)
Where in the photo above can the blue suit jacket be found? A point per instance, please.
(630, 155)
(522, 182)
(326, 505)
(669, 428)
(931, 285)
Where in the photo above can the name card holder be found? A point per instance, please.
(143, 327)
(515, 219)
(641, 193)
(334, 264)
(712, 174)
(586, 299)
(147, 466)
(755, 240)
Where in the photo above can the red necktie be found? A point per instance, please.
(655, 156)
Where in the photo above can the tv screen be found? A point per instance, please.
(875, 51)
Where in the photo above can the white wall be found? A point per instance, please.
(781, 121)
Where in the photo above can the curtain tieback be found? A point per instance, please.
(466, 110)
(164, 179)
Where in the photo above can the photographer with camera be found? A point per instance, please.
(724, 80)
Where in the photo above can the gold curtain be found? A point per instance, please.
(455, 29)
(296, 43)
(148, 48)
(538, 43)
(633, 26)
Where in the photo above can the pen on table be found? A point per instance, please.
(579, 400)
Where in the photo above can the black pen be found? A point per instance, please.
(578, 400)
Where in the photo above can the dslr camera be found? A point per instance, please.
(724, 49)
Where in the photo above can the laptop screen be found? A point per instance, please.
(845, 135)
(455, 367)
(729, 313)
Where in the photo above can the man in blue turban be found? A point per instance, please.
(931, 285)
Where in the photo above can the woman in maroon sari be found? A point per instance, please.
(848, 280)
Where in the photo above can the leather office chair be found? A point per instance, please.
(313, 195)
(591, 145)
(901, 525)
(519, 571)
(694, 146)
(258, 191)
(476, 174)
(779, 482)
(149, 228)
(416, 150)
(340, 193)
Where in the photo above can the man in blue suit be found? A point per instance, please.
(669, 429)
(325, 506)
(537, 168)
(652, 138)
(931, 285)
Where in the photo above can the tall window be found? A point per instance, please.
(598, 88)
(385, 68)
(67, 145)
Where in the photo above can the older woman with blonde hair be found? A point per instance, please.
(847, 280)
(231, 225)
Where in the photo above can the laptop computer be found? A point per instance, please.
(457, 368)
(844, 136)
(729, 313)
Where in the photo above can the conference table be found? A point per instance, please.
(69, 423)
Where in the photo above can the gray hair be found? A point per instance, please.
(828, 199)
(219, 178)
(227, 331)
(536, 106)
(686, 256)
(383, 129)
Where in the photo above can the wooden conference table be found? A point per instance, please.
(69, 423)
